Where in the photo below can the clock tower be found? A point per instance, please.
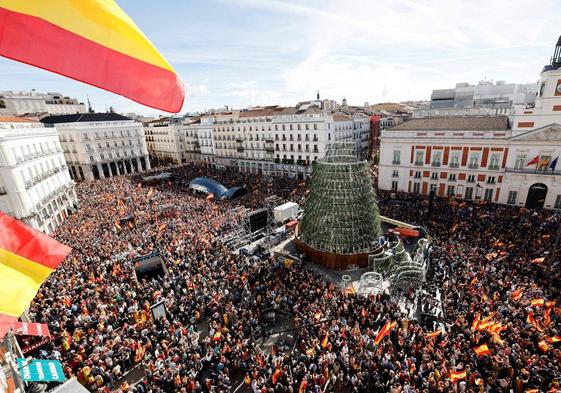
(547, 108)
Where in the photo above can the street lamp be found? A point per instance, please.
(478, 190)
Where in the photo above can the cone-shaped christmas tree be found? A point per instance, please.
(341, 213)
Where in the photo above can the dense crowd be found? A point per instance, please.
(486, 262)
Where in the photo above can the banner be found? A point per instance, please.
(41, 370)
(31, 329)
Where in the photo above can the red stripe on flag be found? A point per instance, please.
(6, 322)
(37, 42)
(26, 242)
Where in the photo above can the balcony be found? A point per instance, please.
(493, 167)
(396, 162)
(435, 163)
(454, 165)
(419, 163)
(473, 166)
(534, 171)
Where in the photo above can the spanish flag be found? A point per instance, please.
(92, 41)
(538, 302)
(482, 350)
(276, 375)
(542, 345)
(433, 334)
(384, 331)
(456, 376)
(516, 295)
(325, 341)
(27, 258)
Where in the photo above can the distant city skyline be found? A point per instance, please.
(259, 52)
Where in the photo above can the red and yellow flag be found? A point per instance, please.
(433, 334)
(92, 41)
(27, 258)
(456, 376)
(542, 345)
(325, 341)
(537, 302)
(482, 350)
(516, 295)
(276, 375)
(384, 331)
(532, 320)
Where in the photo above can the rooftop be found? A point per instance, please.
(276, 110)
(15, 119)
(463, 123)
(83, 118)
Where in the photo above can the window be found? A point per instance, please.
(419, 157)
(494, 161)
(491, 179)
(417, 174)
(416, 188)
(474, 160)
(454, 160)
(394, 185)
(519, 162)
(471, 179)
(395, 173)
(434, 176)
(433, 188)
(469, 193)
(315, 126)
(436, 158)
(452, 177)
(513, 194)
(396, 157)
(451, 191)
(557, 202)
(488, 196)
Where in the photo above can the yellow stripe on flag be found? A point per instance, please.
(100, 21)
(21, 279)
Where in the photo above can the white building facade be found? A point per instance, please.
(19, 103)
(165, 140)
(100, 145)
(504, 160)
(35, 185)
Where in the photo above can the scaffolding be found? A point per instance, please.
(341, 214)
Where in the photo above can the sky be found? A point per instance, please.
(241, 53)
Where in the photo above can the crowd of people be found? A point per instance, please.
(498, 330)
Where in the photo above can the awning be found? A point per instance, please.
(71, 386)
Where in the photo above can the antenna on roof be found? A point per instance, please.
(317, 97)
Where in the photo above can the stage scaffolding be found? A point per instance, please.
(341, 214)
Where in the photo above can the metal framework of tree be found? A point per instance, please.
(341, 214)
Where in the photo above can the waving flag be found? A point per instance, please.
(533, 161)
(384, 331)
(27, 257)
(482, 350)
(553, 164)
(92, 41)
(456, 376)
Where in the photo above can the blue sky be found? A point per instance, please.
(256, 52)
